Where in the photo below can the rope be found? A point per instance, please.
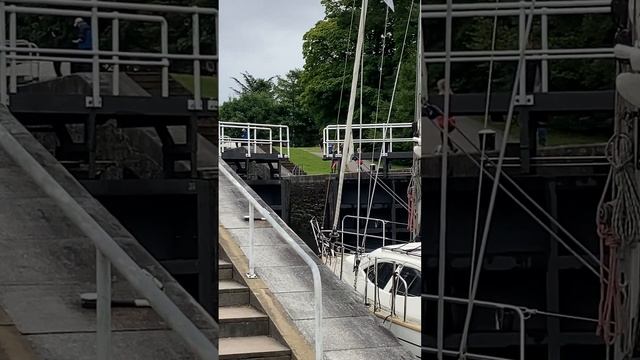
(384, 131)
(496, 182)
(539, 208)
(528, 211)
(380, 73)
(476, 226)
(617, 226)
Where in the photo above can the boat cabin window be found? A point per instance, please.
(413, 278)
(385, 271)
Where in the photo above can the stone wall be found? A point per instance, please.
(307, 196)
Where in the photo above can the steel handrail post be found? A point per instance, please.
(95, 46)
(164, 39)
(115, 46)
(13, 31)
(4, 96)
(103, 307)
(197, 84)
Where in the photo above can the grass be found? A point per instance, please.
(209, 84)
(554, 137)
(309, 159)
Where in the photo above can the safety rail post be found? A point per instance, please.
(406, 292)
(394, 289)
(315, 270)
(544, 29)
(252, 224)
(288, 144)
(95, 46)
(164, 38)
(107, 246)
(103, 306)
(255, 139)
(522, 19)
(248, 140)
(281, 139)
(197, 89)
(13, 33)
(115, 46)
(4, 95)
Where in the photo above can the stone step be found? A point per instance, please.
(232, 293)
(225, 270)
(244, 320)
(252, 347)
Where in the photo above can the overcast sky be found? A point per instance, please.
(263, 37)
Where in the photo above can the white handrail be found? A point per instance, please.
(332, 134)
(108, 252)
(11, 52)
(270, 217)
(278, 137)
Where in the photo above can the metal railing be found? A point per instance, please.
(489, 304)
(34, 69)
(108, 252)
(11, 53)
(333, 137)
(523, 313)
(398, 278)
(270, 217)
(521, 9)
(252, 136)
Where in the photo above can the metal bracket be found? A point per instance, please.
(194, 104)
(526, 100)
(89, 103)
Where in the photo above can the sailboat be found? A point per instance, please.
(388, 278)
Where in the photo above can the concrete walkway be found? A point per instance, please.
(46, 263)
(350, 331)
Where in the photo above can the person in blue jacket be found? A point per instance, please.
(83, 41)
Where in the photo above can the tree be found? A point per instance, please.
(272, 102)
(288, 92)
(250, 84)
(326, 77)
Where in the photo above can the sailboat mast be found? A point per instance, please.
(348, 138)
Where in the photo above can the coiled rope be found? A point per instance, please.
(617, 226)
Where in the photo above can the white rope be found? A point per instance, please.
(380, 73)
(483, 146)
(344, 71)
(352, 102)
(537, 206)
(384, 131)
(531, 213)
(496, 182)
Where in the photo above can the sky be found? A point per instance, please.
(262, 37)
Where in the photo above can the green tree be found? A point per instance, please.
(327, 84)
(288, 92)
(250, 84)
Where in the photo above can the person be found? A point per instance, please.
(436, 115)
(83, 41)
(244, 135)
(441, 84)
(56, 38)
(542, 133)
